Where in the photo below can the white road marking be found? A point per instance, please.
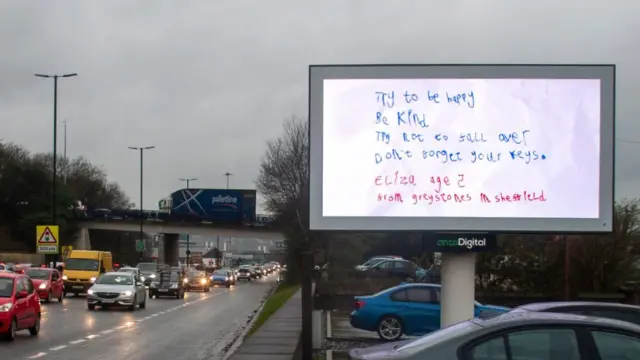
(104, 332)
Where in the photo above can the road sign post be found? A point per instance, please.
(140, 247)
(47, 240)
(66, 251)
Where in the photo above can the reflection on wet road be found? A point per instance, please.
(196, 327)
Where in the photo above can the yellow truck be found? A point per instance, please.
(83, 267)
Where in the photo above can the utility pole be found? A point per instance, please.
(218, 252)
(141, 149)
(54, 205)
(66, 162)
(188, 253)
(227, 174)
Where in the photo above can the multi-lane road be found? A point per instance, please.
(199, 326)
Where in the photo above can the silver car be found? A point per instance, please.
(117, 289)
(518, 336)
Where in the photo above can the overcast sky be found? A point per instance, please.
(209, 82)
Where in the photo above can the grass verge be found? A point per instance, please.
(273, 303)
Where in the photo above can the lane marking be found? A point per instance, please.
(128, 325)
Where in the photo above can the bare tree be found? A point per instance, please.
(284, 172)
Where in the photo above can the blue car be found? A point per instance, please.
(409, 309)
(222, 277)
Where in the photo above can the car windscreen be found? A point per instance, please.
(196, 274)
(6, 287)
(39, 274)
(113, 279)
(243, 271)
(220, 273)
(174, 277)
(82, 264)
(127, 270)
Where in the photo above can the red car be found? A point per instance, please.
(48, 283)
(19, 305)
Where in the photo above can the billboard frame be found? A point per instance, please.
(606, 73)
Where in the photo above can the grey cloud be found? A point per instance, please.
(209, 82)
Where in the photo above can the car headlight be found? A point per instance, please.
(64, 277)
(226, 279)
(126, 293)
(93, 279)
(43, 286)
(5, 307)
(142, 278)
(152, 276)
(90, 292)
(203, 281)
(185, 280)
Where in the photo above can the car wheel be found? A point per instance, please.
(13, 327)
(182, 295)
(91, 307)
(143, 305)
(61, 297)
(151, 295)
(35, 329)
(132, 307)
(206, 289)
(49, 297)
(390, 328)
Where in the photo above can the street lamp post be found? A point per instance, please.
(141, 149)
(188, 252)
(54, 208)
(227, 174)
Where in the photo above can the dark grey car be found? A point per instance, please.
(522, 335)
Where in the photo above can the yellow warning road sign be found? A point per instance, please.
(47, 239)
(66, 251)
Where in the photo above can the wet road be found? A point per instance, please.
(196, 327)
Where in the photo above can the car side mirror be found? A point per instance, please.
(22, 294)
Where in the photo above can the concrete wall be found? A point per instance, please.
(22, 258)
(81, 239)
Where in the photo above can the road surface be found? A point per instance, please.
(196, 327)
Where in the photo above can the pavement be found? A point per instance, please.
(278, 337)
(197, 327)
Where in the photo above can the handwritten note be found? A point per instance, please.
(526, 148)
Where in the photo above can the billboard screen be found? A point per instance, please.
(462, 148)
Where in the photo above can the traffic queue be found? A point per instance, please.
(24, 286)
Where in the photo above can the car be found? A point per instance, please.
(398, 268)
(375, 260)
(518, 336)
(244, 274)
(624, 312)
(19, 305)
(170, 282)
(232, 274)
(257, 270)
(407, 309)
(222, 277)
(149, 271)
(197, 280)
(117, 289)
(48, 283)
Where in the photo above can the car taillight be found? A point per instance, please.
(359, 304)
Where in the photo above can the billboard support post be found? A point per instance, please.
(458, 278)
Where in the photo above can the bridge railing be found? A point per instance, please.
(163, 216)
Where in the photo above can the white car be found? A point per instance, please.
(117, 289)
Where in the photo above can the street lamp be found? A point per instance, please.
(54, 208)
(227, 174)
(188, 253)
(141, 149)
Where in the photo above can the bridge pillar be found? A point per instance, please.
(81, 240)
(171, 247)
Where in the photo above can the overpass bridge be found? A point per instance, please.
(170, 226)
